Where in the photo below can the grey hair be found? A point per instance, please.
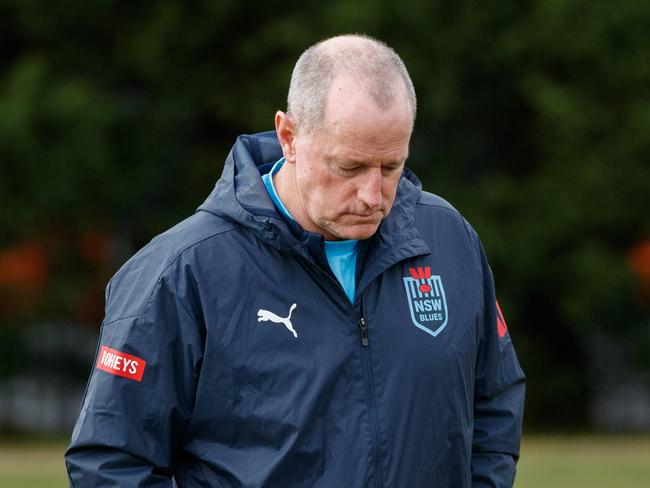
(377, 66)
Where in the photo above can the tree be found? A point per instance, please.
(533, 119)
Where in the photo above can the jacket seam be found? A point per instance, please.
(147, 305)
(437, 205)
(162, 273)
(122, 318)
(475, 244)
(180, 302)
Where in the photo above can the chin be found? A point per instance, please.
(358, 232)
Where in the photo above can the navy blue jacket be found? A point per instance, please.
(207, 373)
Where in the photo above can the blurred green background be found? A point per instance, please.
(533, 120)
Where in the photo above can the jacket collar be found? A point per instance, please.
(240, 196)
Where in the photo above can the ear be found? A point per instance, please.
(286, 132)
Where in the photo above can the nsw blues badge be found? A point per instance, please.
(426, 298)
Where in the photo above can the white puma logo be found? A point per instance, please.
(264, 315)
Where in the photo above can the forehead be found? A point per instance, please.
(356, 127)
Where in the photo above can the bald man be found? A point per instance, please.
(320, 321)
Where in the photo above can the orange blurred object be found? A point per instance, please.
(24, 266)
(639, 260)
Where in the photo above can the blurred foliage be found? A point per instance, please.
(534, 121)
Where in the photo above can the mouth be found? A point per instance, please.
(371, 217)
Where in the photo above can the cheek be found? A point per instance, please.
(329, 200)
(389, 190)
(322, 198)
(318, 185)
(316, 192)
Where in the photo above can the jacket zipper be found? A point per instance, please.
(373, 415)
(365, 353)
(372, 407)
(364, 331)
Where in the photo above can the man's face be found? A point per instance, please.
(347, 173)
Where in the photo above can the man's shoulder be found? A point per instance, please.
(437, 220)
(427, 199)
(431, 207)
(188, 233)
(184, 236)
(169, 254)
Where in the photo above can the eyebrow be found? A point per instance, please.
(356, 162)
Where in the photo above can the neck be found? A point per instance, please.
(284, 182)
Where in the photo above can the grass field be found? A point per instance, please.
(546, 462)
(589, 462)
(38, 464)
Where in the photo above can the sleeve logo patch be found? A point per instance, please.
(502, 328)
(120, 364)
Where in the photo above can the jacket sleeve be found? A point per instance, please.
(498, 397)
(128, 429)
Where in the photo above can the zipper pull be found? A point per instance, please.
(364, 331)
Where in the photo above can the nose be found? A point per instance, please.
(369, 191)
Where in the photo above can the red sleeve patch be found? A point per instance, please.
(120, 364)
(502, 328)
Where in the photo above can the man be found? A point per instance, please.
(319, 322)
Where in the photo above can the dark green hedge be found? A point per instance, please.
(534, 120)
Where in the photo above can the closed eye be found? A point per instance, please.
(390, 169)
(387, 170)
(348, 171)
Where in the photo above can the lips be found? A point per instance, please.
(370, 215)
(363, 219)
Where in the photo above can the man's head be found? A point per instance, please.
(345, 136)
